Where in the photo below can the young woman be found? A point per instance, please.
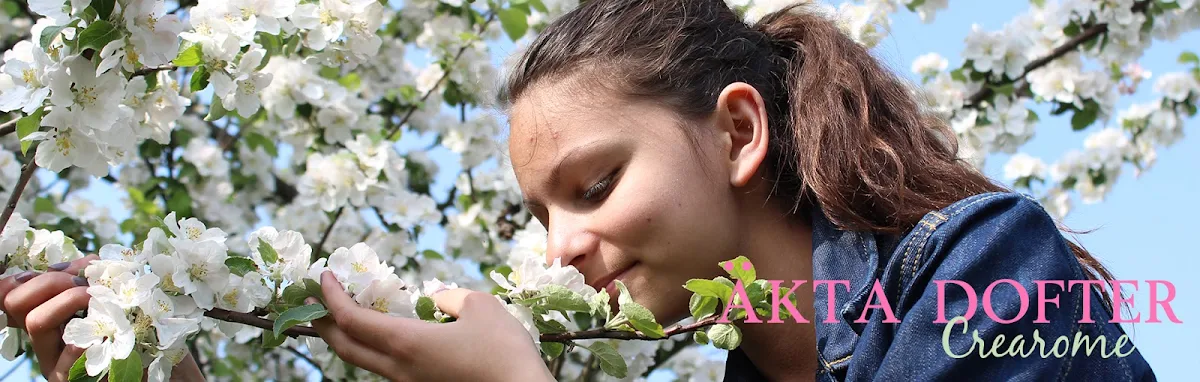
(656, 138)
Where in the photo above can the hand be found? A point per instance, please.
(485, 343)
(42, 304)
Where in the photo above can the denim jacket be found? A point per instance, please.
(977, 240)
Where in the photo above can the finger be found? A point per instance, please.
(75, 266)
(370, 327)
(45, 323)
(9, 283)
(351, 350)
(62, 369)
(463, 302)
(36, 291)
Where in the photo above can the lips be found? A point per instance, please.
(608, 280)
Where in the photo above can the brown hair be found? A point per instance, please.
(847, 134)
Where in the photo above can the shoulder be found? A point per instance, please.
(984, 238)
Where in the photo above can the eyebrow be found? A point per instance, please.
(576, 154)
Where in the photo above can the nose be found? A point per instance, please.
(569, 239)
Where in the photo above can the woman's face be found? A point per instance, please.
(624, 193)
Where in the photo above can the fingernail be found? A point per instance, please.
(23, 277)
(80, 281)
(60, 266)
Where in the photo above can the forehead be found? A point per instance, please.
(550, 121)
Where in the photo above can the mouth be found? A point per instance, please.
(608, 282)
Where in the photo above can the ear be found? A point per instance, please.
(742, 126)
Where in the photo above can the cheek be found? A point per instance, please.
(674, 219)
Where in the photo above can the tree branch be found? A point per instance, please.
(329, 229)
(9, 127)
(1059, 51)
(151, 70)
(446, 74)
(297, 331)
(23, 181)
(624, 335)
(258, 322)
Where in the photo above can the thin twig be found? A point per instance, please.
(588, 368)
(329, 229)
(445, 75)
(624, 335)
(659, 361)
(11, 206)
(258, 322)
(9, 127)
(152, 70)
(1059, 51)
(297, 331)
(298, 354)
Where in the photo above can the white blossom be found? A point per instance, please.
(105, 332)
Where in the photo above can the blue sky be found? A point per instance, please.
(1141, 230)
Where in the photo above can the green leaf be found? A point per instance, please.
(434, 255)
(702, 306)
(552, 349)
(78, 371)
(1032, 117)
(190, 56)
(350, 81)
(1167, 5)
(298, 315)
(267, 252)
(50, 33)
(27, 125)
(640, 317)
(747, 274)
(104, 8)
(1188, 57)
(1039, 3)
(1005, 89)
(240, 265)
(710, 288)
(548, 326)
(514, 23)
(256, 140)
(295, 294)
(725, 336)
(1073, 29)
(600, 306)
(425, 308)
(700, 337)
(270, 340)
(957, 74)
(314, 289)
(539, 5)
(562, 299)
(611, 362)
(44, 205)
(199, 80)
(126, 370)
(180, 202)
(97, 35)
(912, 7)
(1084, 118)
(216, 110)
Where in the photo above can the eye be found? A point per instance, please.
(601, 188)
